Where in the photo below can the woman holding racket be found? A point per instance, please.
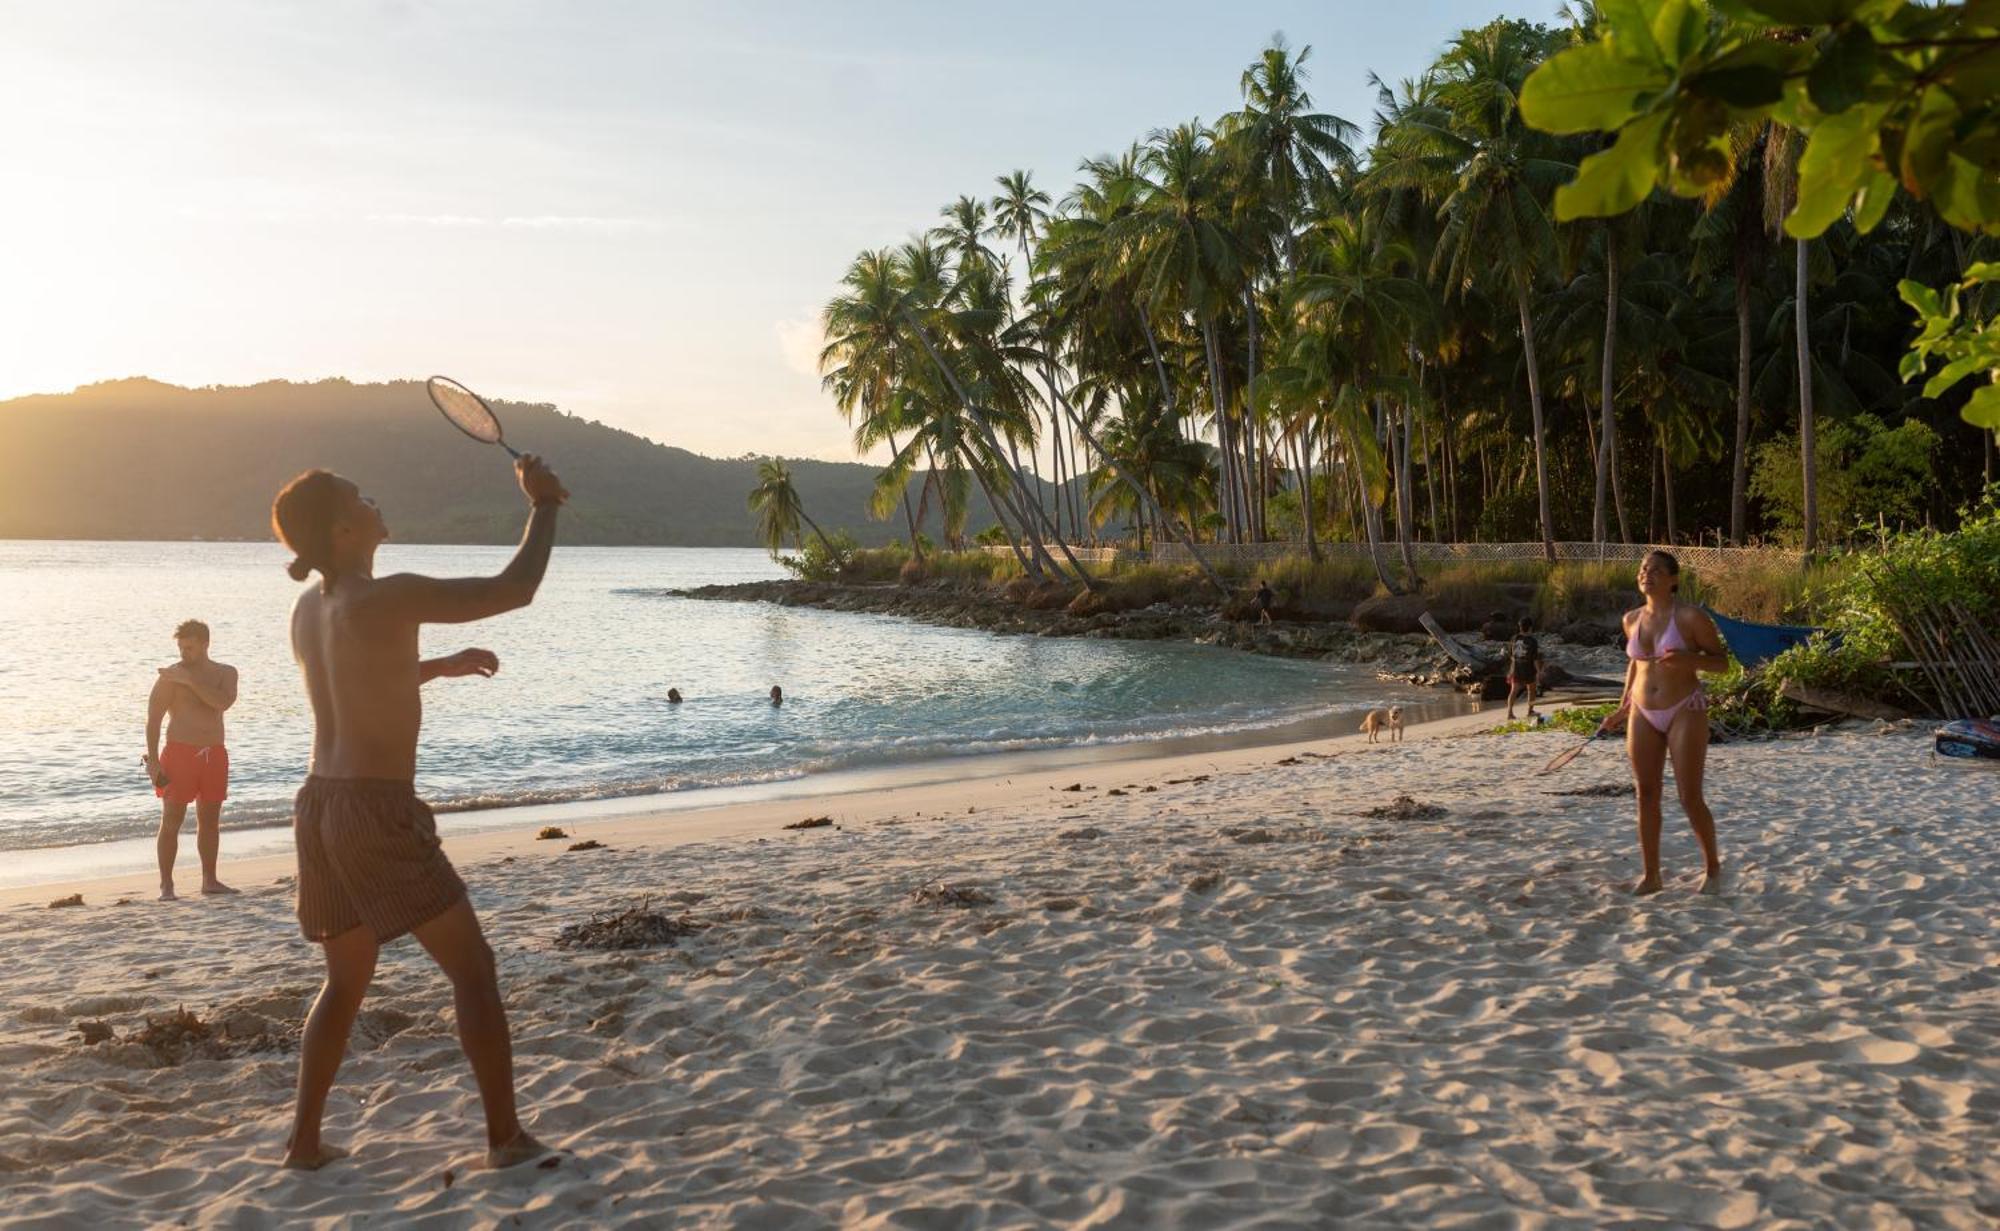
(371, 868)
(1668, 644)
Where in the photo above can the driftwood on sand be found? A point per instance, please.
(1464, 657)
(1839, 702)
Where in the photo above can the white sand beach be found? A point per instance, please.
(1206, 992)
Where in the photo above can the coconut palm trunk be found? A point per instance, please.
(1406, 503)
(1667, 486)
(1224, 436)
(1535, 412)
(1740, 466)
(909, 515)
(1808, 461)
(1609, 426)
(1369, 528)
(1028, 509)
(1306, 489)
(1147, 501)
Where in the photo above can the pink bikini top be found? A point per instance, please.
(1669, 640)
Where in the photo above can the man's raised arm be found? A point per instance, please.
(220, 695)
(458, 600)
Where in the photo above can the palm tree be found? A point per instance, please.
(1189, 261)
(1781, 190)
(1283, 154)
(862, 360)
(1019, 211)
(1495, 176)
(1360, 315)
(778, 508)
(1736, 218)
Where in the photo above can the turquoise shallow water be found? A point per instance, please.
(579, 708)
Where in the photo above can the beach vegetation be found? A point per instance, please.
(1649, 276)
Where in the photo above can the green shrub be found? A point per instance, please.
(981, 567)
(875, 564)
(1333, 580)
(1859, 598)
(822, 559)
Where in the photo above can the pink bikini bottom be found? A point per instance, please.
(1663, 720)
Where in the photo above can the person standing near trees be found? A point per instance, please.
(1524, 665)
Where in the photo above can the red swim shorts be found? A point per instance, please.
(195, 772)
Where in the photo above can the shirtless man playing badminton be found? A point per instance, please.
(370, 865)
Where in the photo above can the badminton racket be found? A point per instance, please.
(468, 412)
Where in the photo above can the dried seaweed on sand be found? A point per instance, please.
(944, 893)
(636, 927)
(811, 822)
(1403, 808)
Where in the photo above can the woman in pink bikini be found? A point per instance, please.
(1668, 643)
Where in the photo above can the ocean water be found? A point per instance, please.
(578, 710)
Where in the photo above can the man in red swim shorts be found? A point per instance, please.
(194, 766)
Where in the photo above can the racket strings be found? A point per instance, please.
(466, 410)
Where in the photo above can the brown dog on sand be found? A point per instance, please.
(1377, 720)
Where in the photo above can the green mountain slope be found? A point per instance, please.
(137, 459)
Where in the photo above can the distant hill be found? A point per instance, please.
(137, 459)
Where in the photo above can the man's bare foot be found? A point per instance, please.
(216, 887)
(1650, 884)
(320, 1157)
(520, 1149)
(167, 894)
(1712, 882)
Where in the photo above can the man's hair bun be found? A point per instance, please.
(299, 569)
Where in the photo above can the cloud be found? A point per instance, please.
(799, 341)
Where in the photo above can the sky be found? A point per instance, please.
(632, 210)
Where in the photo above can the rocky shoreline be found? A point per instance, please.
(1411, 658)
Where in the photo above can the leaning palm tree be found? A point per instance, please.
(778, 508)
(862, 360)
(1019, 211)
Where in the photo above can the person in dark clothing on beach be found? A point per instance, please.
(1264, 600)
(1524, 665)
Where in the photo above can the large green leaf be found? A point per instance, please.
(1678, 26)
(1967, 196)
(1872, 202)
(1920, 297)
(1984, 408)
(1614, 180)
(1629, 23)
(1834, 167)
(1840, 75)
(1587, 88)
(1950, 374)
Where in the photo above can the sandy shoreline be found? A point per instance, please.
(997, 780)
(1228, 1000)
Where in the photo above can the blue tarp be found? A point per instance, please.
(1756, 644)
